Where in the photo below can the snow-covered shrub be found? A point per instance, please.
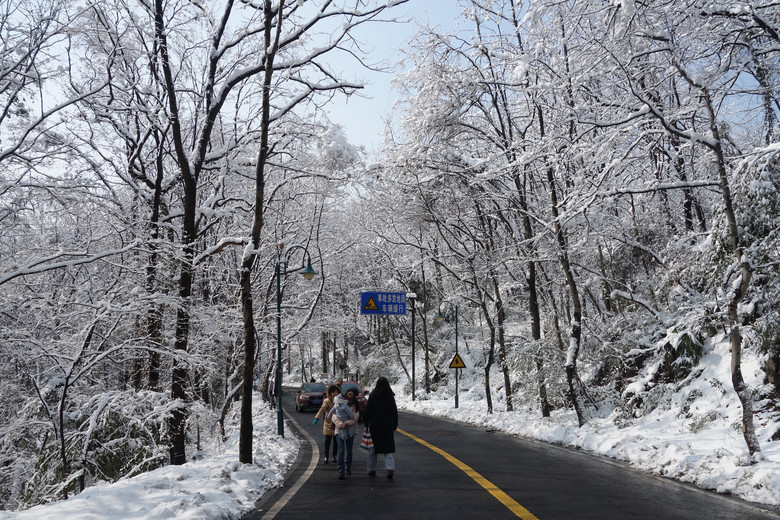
(666, 364)
(530, 362)
(108, 436)
(681, 354)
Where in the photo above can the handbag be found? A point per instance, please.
(367, 443)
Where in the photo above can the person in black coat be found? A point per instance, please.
(381, 418)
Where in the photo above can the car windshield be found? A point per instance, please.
(314, 387)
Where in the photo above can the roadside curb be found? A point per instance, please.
(266, 507)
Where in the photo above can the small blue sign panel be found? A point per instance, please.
(383, 303)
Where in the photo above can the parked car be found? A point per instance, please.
(310, 396)
(360, 395)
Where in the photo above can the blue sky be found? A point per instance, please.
(362, 117)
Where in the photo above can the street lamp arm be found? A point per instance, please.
(306, 267)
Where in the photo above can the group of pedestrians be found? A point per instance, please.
(341, 415)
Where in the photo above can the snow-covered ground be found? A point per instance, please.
(695, 438)
(216, 486)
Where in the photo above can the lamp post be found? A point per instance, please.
(281, 270)
(412, 297)
(440, 316)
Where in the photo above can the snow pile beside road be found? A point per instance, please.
(216, 486)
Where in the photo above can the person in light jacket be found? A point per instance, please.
(345, 418)
(328, 428)
(381, 418)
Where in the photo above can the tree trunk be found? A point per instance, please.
(488, 366)
(500, 319)
(154, 315)
(246, 428)
(739, 291)
(178, 419)
(491, 354)
(324, 351)
(397, 347)
(536, 334)
(575, 336)
(533, 295)
(427, 356)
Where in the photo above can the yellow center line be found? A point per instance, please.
(491, 488)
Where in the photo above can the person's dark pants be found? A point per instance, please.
(328, 441)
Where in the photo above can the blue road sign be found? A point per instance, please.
(383, 303)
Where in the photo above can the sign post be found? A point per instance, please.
(457, 362)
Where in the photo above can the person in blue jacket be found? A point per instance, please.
(345, 418)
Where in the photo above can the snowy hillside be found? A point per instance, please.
(693, 435)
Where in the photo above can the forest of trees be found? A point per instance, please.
(593, 185)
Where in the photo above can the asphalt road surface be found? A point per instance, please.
(445, 470)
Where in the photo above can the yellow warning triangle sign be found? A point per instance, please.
(370, 305)
(457, 362)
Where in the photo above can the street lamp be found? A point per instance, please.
(440, 316)
(281, 270)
